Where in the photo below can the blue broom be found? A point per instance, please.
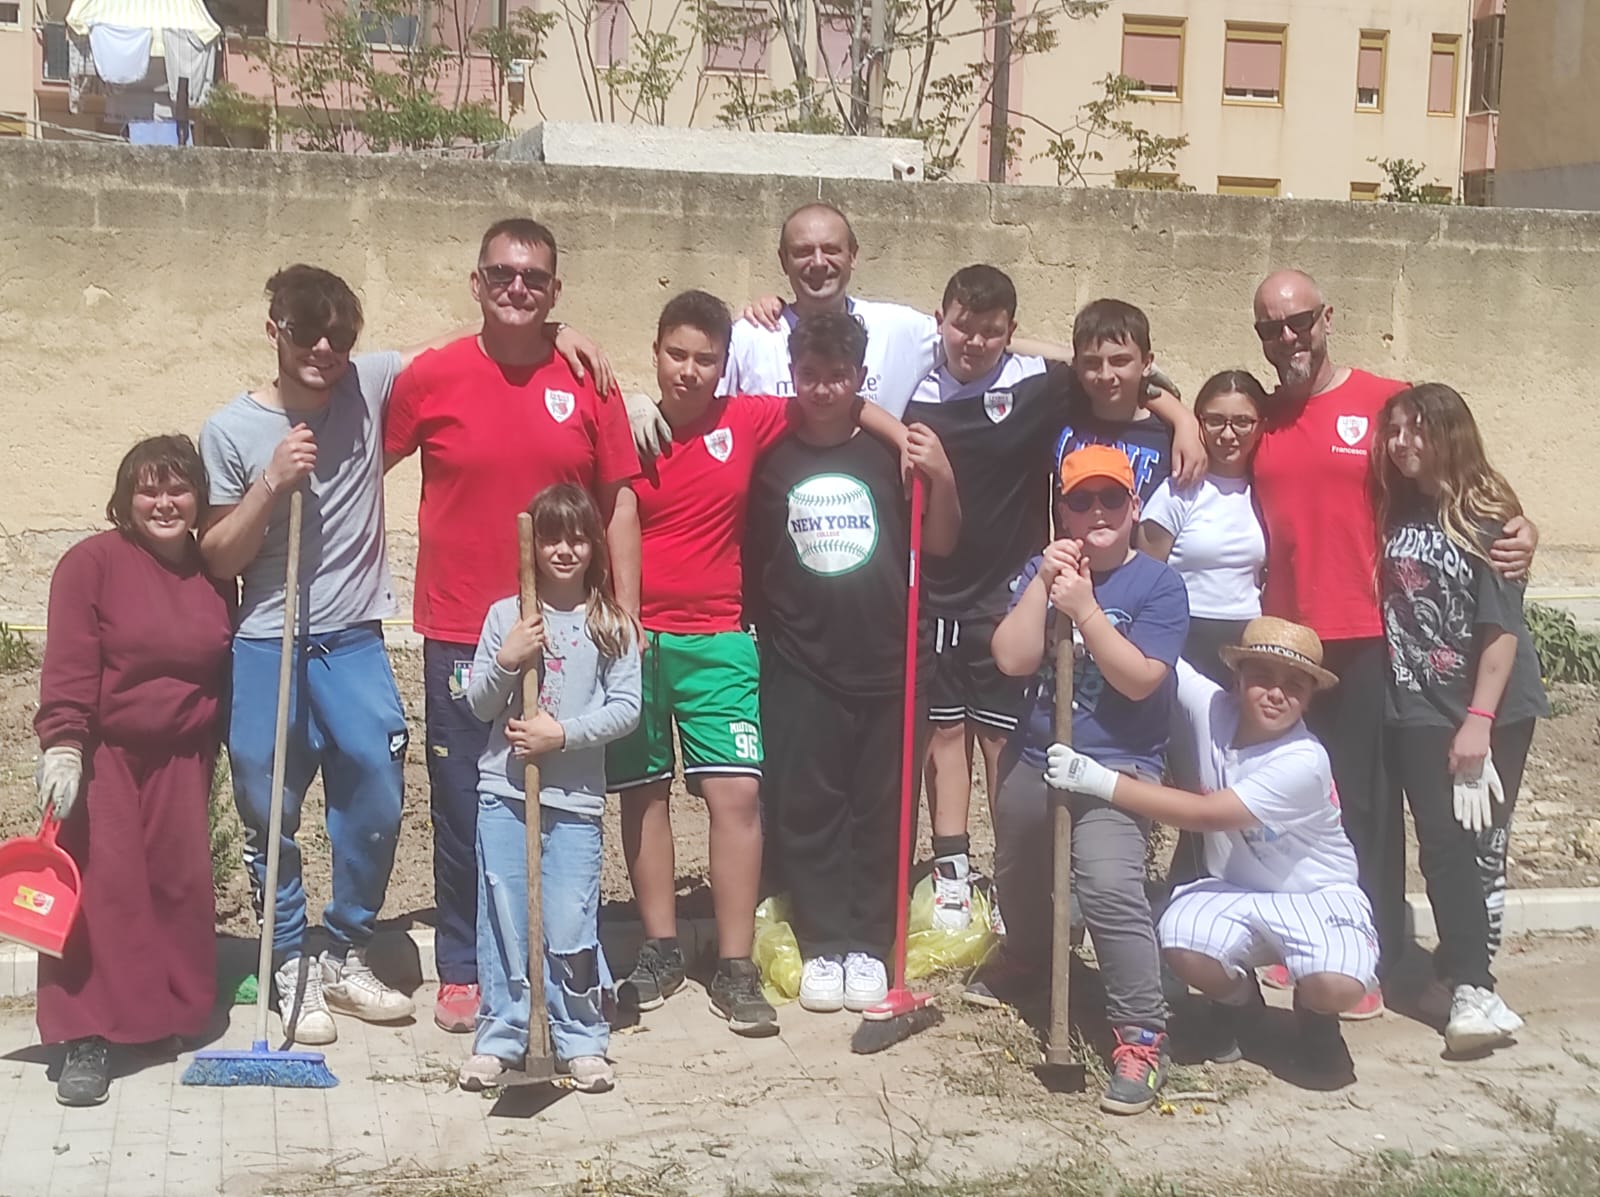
(261, 1065)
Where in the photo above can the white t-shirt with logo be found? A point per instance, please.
(902, 349)
(1218, 546)
(1299, 845)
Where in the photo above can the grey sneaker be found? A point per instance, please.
(656, 976)
(350, 987)
(85, 1078)
(1138, 1070)
(301, 1003)
(736, 995)
(484, 1072)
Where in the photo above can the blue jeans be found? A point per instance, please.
(344, 718)
(456, 739)
(575, 971)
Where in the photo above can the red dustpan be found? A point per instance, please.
(39, 887)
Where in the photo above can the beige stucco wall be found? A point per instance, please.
(1549, 143)
(18, 52)
(130, 293)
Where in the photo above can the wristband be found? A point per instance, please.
(1481, 713)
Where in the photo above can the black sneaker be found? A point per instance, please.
(656, 976)
(1225, 1023)
(1138, 1070)
(1320, 1054)
(736, 995)
(86, 1075)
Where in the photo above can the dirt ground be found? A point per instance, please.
(1555, 835)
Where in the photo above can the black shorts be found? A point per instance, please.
(962, 682)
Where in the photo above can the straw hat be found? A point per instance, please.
(1268, 638)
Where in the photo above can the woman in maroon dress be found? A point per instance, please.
(135, 668)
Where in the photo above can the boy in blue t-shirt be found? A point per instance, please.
(1131, 613)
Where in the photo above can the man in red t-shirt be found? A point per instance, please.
(1310, 476)
(498, 417)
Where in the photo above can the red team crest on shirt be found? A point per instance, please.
(1352, 430)
(560, 404)
(997, 405)
(719, 443)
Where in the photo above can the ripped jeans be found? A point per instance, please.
(575, 971)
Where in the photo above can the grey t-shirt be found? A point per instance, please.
(595, 698)
(344, 562)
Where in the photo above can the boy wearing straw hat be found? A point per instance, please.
(1282, 885)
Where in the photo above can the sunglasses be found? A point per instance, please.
(1112, 498)
(1241, 425)
(307, 336)
(1301, 323)
(498, 278)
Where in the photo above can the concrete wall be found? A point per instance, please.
(130, 293)
(1549, 143)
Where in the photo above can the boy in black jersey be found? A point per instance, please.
(829, 536)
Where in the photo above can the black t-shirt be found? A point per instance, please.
(829, 537)
(1436, 597)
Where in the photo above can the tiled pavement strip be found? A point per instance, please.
(698, 1105)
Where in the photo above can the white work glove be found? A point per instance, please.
(58, 777)
(651, 432)
(1473, 796)
(1069, 770)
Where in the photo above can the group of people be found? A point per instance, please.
(1256, 661)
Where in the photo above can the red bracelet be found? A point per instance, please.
(1481, 713)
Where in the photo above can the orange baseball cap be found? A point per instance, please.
(1096, 461)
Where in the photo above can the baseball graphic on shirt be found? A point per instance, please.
(719, 443)
(833, 523)
(560, 404)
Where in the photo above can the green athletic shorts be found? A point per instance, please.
(708, 682)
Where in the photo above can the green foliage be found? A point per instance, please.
(1400, 177)
(1566, 652)
(1076, 150)
(16, 651)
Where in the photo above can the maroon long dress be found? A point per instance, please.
(135, 671)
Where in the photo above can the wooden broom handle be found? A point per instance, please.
(538, 1021)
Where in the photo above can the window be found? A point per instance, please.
(13, 124)
(1488, 46)
(1364, 191)
(1477, 188)
(1152, 53)
(57, 60)
(399, 30)
(737, 38)
(1442, 75)
(1435, 193)
(1148, 180)
(1252, 64)
(1238, 185)
(1369, 70)
(611, 30)
(835, 28)
(10, 14)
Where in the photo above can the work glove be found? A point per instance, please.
(1069, 770)
(651, 432)
(1473, 796)
(58, 778)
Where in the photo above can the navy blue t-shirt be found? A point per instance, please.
(1146, 601)
(1147, 442)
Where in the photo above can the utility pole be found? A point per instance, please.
(877, 63)
(1000, 93)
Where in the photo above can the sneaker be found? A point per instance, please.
(952, 893)
(485, 1072)
(1473, 1025)
(1138, 1070)
(85, 1078)
(590, 1074)
(656, 976)
(1225, 1021)
(736, 995)
(301, 1003)
(1370, 1006)
(1276, 976)
(455, 1008)
(866, 982)
(1320, 1049)
(350, 987)
(1003, 980)
(822, 985)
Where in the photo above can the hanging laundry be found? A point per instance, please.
(152, 132)
(192, 58)
(81, 77)
(121, 53)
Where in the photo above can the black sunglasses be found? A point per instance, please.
(499, 277)
(1300, 322)
(1112, 498)
(306, 336)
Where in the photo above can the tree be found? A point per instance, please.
(1400, 177)
(1076, 149)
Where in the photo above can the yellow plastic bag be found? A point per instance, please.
(776, 952)
(930, 949)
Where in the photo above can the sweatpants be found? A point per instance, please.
(1459, 890)
(830, 801)
(1348, 719)
(456, 739)
(345, 718)
(1108, 847)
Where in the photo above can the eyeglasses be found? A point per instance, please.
(1301, 323)
(1241, 425)
(307, 336)
(1112, 498)
(499, 278)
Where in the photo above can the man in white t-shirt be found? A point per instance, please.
(1282, 885)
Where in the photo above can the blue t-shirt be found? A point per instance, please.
(1146, 601)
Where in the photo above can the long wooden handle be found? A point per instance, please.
(280, 759)
(1058, 1050)
(538, 1021)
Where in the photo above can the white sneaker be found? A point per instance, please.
(590, 1074)
(822, 985)
(302, 1008)
(1502, 1015)
(483, 1072)
(1472, 1026)
(350, 987)
(952, 893)
(866, 983)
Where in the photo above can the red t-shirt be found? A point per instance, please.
(492, 437)
(1310, 475)
(692, 513)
